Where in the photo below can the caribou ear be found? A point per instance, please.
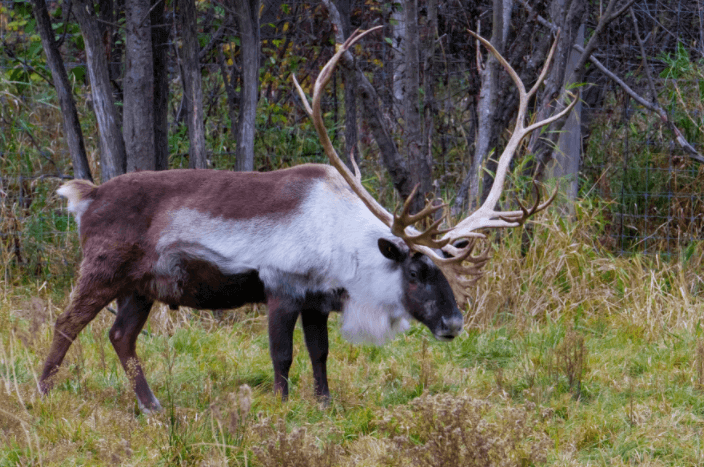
(392, 251)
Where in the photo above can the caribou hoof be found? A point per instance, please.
(153, 407)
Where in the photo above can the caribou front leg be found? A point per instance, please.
(315, 329)
(282, 322)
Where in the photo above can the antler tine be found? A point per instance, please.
(465, 254)
(557, 116)
(525, 213)
(546, 66)
(357, 173)
(509, 69)
(405, 219)
(326, 72)
(519, 217)
(302, 95)
(459, 254)
(462, 277)
(550, 199)
(426, 237)
(398, 229)
(430, 208)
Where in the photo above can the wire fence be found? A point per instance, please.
(656, 193)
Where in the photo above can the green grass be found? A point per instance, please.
(571, 357)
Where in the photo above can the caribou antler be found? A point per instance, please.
(398, 223)
(461, 268)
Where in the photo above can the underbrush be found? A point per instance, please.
(571, 356)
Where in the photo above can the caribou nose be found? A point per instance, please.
(453, 326)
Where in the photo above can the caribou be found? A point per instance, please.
(306, 241)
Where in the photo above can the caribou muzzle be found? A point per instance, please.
(449, 328)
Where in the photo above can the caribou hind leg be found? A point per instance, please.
(132, 313)
(315, 330)
(86, 302)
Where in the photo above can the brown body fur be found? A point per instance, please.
(119, 232)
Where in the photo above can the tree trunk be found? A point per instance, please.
(112, 145)
(138, 117)
(111, 14)
(109, 11)
(373, 116)
(430, 109)
(247, 13)
(398, 57)
(230, 79)
(569, 15)
(350, 83)
(487, 115)
(72, 127)
(190, 68)
(564, 164)
(160, 46)
(417, 162)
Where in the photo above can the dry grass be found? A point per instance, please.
(566, 273)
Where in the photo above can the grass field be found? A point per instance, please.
(571, 357)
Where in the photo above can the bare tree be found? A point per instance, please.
(193, 93)
(160, 38)
(430, 107)
(569, 15)
(565, 162)
(112, 145)
(369, 100)
(349, 81)
(418, 164)
(247, 15)
(138, 116)
(72, 127)
(230, 77)
(398, 57)
(110, 14)
(488, 108)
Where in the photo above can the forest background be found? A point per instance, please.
(584, 341)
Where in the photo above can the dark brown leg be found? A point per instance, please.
(315, 329)
(132, 312)
(86, 303)
(282, 321)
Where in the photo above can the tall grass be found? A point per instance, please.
(571, 356)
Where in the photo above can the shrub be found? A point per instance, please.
(459, 430)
